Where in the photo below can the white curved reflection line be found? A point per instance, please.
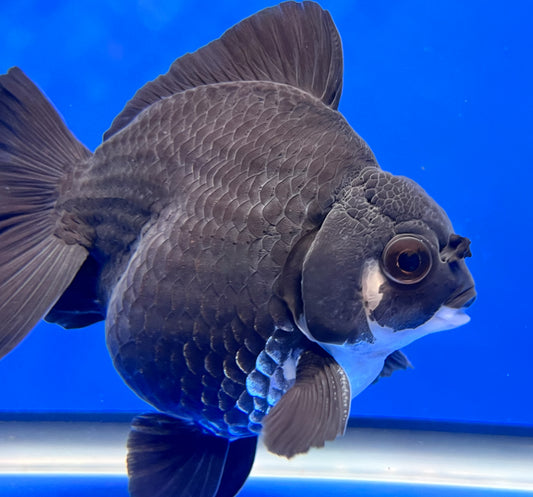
(362, 455)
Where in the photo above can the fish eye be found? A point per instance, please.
(406, 259)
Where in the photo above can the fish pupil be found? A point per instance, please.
(409, 261)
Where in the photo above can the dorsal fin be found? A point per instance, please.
(293, 43)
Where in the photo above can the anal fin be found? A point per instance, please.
(239, 461)
(168, 457)
(314, 410)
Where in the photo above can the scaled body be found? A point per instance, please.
(255, 267)
(241, 171)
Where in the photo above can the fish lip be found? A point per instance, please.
(463, 299)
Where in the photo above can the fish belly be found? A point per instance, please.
(193, 335)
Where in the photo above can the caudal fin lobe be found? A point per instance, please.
(37, 152)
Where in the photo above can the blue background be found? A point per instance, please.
(442, 93)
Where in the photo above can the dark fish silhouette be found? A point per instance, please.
(255, 267)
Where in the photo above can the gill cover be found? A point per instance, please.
(332, 301)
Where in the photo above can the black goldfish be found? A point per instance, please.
(255, 267)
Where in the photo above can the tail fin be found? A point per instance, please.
(168, 457)
(37, 152)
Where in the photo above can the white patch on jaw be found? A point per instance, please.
(363, 361)
(446, 318)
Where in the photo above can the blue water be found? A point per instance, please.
(441, 91)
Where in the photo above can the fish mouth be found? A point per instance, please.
(463, 299)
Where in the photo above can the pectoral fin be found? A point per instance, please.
(394, 362)
(314, 410)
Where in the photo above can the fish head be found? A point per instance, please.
(385, 260)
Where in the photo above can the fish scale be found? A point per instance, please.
(265, 196)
